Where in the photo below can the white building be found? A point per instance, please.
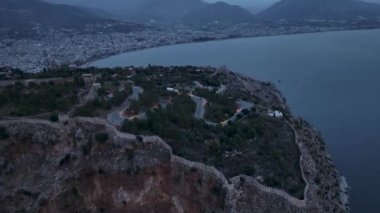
(276, 114)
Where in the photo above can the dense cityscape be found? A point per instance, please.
(54, 48)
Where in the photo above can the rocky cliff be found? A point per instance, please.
(50, 167)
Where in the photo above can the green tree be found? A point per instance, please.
(3, 133)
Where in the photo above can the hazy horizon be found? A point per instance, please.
(252, 5)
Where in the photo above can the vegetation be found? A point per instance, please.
(3, 133)
(253, 146)
(92, 108)
(21, 100)
(219, 107)
(102, 102)
(54, 117)
(101, 137)
(146, 100)
(169, 122)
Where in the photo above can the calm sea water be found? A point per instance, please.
(331, 79)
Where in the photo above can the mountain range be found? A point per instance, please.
(28, 13)
(202, 12)
(24, 14)
(169, 11)
(296, 10)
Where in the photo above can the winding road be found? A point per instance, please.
(116, 117)
(201, 109)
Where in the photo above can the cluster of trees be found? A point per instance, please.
(3, 133)
(194, 139)
(101, 137)
(102, 103)
(262, 152)
(20, 100)
(92, 108)
(168, 123)
(219, 107)
(146, 100)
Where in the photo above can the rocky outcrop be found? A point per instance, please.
(50, 167)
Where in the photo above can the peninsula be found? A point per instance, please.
(173, 139)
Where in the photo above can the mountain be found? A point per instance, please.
(219, 12)
(190, 12)
(29, 13)
(167, 11)
(321, 9)
(109, 5)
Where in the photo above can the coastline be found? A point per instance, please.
(314, 160)
(94, 59)
(345, 192)
(81, 50)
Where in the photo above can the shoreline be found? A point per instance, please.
(311, 160)
(82, 50)
(345, 192)
(95, 59)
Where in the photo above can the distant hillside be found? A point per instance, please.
(190, 12)
(219, 12)
(168, 11)
(320, 9)
(29, 13)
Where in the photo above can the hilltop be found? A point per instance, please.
(168, 138)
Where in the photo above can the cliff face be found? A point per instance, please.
(48, 167)
(55, 168)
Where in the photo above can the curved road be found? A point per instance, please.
(116, 117)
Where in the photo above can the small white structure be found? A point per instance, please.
(170, 89)
(276, 114)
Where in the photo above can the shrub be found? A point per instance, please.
(3, 133)
(54, 117)
(139, 138)
(317, 180)
(217, 191)
(101, 137)
(245, 111)
(249, 170)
